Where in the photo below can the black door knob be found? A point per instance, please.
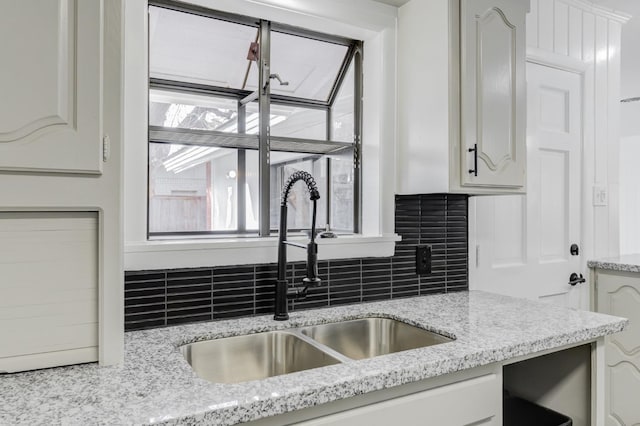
(574, 250)
(576, 279)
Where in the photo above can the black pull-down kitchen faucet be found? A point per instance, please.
(283, 293)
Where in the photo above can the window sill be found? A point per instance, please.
(171, 254)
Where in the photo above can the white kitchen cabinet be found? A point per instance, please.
(51, 86)
(618, 293)
(462, 96)
(470, 397)
(566, 380)
(61, 279)
(439, 406)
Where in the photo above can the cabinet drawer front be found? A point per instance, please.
(473, 401)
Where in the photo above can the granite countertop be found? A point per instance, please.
(625, 263)
(156, 385)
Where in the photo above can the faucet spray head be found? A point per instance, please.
(314, 194)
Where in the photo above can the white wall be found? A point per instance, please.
(630, 141)
(630, 194)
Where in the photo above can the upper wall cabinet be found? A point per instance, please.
(462, 96)
(50, 84)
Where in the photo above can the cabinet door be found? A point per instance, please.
(49, 289)
(493, 92)
(50, 84)
(619, 294)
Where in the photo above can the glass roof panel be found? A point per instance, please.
(190, 111)
(342, 116)
(310, 66)
(298, 122)
(197, 49)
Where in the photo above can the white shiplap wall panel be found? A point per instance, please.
(589, 138)
(49, 287)
(546, 9)
(532, 24)
(588, 38)
(561, 28)
(575, 32)
(601, 47)
(601, 214)
(613, 133)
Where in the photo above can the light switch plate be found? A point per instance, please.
(600, 196)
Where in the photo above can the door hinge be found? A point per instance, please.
(356, 154)
(106, 148)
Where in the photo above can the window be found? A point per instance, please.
(222, 142)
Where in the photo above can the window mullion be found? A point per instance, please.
(264, 95)
(357, 147)
(329, 178)
(241, 176)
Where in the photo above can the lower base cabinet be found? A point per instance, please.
(618, 293)
(470, 397)
(561, 380)
(439, 406)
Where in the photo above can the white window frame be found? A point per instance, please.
(372, 22)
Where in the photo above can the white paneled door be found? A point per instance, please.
(523, 242)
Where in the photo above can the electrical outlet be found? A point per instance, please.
(423, 260)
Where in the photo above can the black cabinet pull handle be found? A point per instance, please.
(575, 279)
(475, 159)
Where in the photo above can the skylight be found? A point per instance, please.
(196, 49)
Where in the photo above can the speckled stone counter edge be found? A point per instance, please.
(155, 385)
(629, 263)
(620, 267)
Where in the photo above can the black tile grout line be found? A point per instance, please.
(255, 274)
(361, 283)
(213, 288)
(329, 283)
(446, 242)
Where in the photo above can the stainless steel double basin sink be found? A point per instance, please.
(262, 355)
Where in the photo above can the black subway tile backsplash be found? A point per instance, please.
(170, 297)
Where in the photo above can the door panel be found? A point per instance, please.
(51, 86)
(523, 241)
(554, 184)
